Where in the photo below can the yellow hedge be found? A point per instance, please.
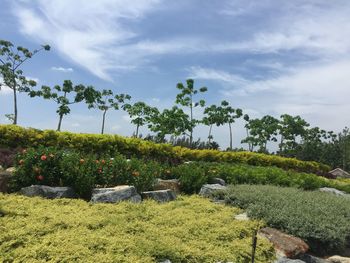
(14, 136)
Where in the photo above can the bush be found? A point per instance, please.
(7, 156)
(190, 229)
(54, 167)
(321, 219)
(12, 136)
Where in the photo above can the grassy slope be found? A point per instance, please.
(322, 219)
(191, 229)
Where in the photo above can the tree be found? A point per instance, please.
(171, 122)
(140, 114)
(246, 118)
(229, 116)
(261, 131)
(211, 117)
(12, 76)
(60, 95)
(105, 101)
(186, 99)
(290, 128)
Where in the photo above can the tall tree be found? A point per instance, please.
(186, 99)
(105, 100)
(246, 126)
(140, 114)
(11, 60)
(65, 96)
(211, 117)
(229, 116)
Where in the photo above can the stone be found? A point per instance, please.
(1, 168)
(285, 245)
(115, 194)
(339, 173)
(165, 261)
(242, 217)
(160, 195)
(218, 181)
(208, 189)
(4, 179)
(288, 260)
(172, 184)
(338, 259)
(48, 191)
(11, 169)
(312, 259)
(332, 191)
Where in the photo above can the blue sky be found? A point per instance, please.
(266, 57)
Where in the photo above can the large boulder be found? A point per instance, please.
(115, 194)
(4, 179)
(288, 260)
(338, 259)
(285, 245)
(172, 184)
(217, 180)
(160, 195)
(332, 191)
(208, 189)
(312, 259)
(48, 191)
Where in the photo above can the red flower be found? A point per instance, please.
(40, 177)
(43, 157)
(21, 162)
(103, 161)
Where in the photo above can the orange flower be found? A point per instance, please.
(40, 177)
(103, 161)
(43, 157)
(135, 173)
(21, 162)
(82, 161)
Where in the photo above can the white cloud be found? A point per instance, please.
(62, 69)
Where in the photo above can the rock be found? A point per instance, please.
(332, 191)
(160, 195)
(1, 168)
(209, 189)
(172, 184)
(311, 259)
(165, 261)
(4, 179)
(242, 217)
(11, 169)
(339, 173)
(48, 191)
(285, 245)
(115, 194)
(288, 260)
(218, 181)
(338, 259)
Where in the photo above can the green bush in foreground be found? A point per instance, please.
(12, 136)
(190, 229)
(321, 219)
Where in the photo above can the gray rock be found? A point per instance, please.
(288, 260)
(160, 195)
(48, 191)
(165, 261)
(242, 217)
(338, 259)
(172, 184)
(332, 191)
(218, 181)
(115, 194)
(4, 179)
(311, 259)
(209, 189)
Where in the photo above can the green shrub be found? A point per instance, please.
(321, 219)
(190, 229)
(12, 136)
(49, 166)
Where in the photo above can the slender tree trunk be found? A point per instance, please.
(249, 143)
(191, 131)
(229, 125)
(15, 104)
(137, 130)
(103, 121)
(209, 136)
(60, 122)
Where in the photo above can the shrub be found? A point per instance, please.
(12, 136)
(190, 229)
(321, 219)
(7, 156)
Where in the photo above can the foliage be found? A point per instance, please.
(321, 219)
(13, 136)
(190, 229)
(49, 166)
(12, 76)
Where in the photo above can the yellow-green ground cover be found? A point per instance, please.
(190, 229)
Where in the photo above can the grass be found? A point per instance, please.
(321, 219)
(190, 229)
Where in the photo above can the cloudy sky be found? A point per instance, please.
(266, 57)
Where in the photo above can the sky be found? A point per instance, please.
(265, 57)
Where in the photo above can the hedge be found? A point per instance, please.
(321, 219)
(12, 136)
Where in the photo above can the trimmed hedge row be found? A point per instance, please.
(14, 136)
